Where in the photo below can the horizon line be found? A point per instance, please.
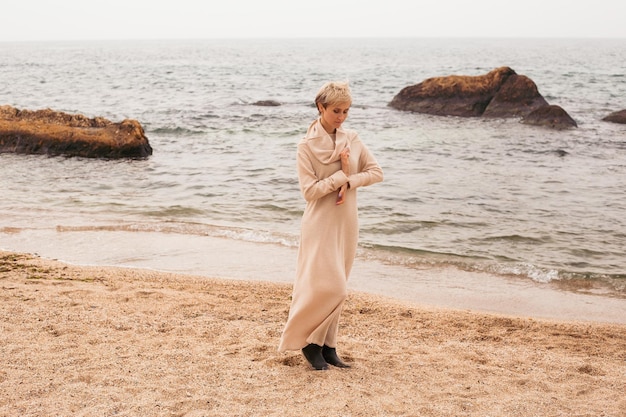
(215, 38)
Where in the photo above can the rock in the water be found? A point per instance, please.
(616, 117)
(56, 133)
(550, 116)
(499, 93)
(516, 97)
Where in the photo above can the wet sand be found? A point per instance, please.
(100, 341)
(425, 285)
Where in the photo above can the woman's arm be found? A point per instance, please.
(311, 186)
(368, 173)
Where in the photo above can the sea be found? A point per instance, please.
(220, 194)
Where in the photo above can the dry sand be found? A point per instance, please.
(91, 341)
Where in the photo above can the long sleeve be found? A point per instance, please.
(368, 173)
(311, 186)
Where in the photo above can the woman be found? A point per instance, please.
(332, 163)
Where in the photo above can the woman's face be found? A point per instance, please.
(334, 115)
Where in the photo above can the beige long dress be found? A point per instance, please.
(329, 234)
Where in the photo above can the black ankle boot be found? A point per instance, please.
(330, 355)
(313, 354)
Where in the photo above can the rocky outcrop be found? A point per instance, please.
(499, 93)
(616, 117)
(55, 133)
(517, 96)
(550, 116)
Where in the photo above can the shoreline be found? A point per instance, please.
(440, 287)
(93, 340)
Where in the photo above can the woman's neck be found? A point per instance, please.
(326, 128)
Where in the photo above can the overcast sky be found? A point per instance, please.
(26, 20)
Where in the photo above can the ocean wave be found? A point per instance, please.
(589, 282)
(175, 211)
(174, 131)
(192, 228)
(394, 227)
(515, 238)
(608, 284)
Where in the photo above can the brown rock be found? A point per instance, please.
(55, 133)
(550, 116)
(516, 97)
(499, 93)
(616, 117)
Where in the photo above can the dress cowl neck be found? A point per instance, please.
(322, 145)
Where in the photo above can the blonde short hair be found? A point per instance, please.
(333, 92)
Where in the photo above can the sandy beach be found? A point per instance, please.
(95, 341)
